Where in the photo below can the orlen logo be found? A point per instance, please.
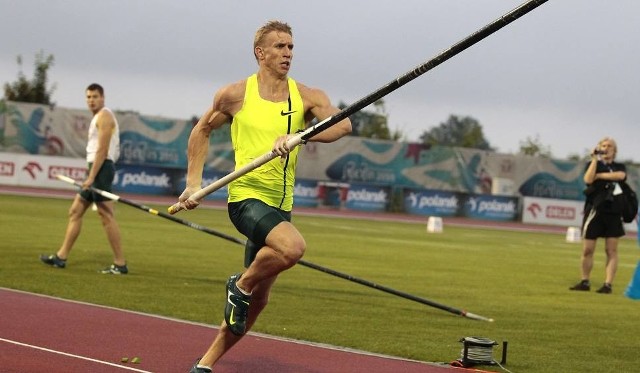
(32, 168)
(560, 212)
(534, 209)
(77, 173)
(7, 168)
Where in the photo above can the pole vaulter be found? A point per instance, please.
(371, 98)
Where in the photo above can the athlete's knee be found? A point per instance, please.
(75, 212)
(106, 214)
(294, 251)
(587, 253)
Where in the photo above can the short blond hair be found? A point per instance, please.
(268, 27)
(613, 142)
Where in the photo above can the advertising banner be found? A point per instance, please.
(559, 212)
(39, 171)
(550, 211)
(488, 207)
(366, 197)
(305, 193)
(448, 204)
(162, 142)
(144, 180)
(431, 202)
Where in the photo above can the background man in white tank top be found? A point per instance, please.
(103, 149)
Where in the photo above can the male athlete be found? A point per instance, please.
(264, 110)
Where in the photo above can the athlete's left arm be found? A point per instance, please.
(318, 104)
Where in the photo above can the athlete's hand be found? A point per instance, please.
(87, 183)
(280, 147)
(184, 200)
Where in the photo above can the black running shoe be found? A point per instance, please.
(115, 269)
(583, 285)
(605, 289)
(237, 307)
(53, 260)
(196, 369)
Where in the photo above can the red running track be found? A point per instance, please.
(45, 334)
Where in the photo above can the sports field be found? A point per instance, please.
(519, 278)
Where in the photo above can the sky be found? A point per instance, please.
(566, 74)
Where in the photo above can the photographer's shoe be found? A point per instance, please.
(605, 289)
(237, 307)
(583, 285)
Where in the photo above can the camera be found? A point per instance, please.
(596, 152)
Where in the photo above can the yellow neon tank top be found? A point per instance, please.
(254, 130)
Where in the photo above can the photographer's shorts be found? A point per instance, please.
(255, 219)
(598, 225)
(103, 181)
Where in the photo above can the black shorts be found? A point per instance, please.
(255, 219)
(103, 181)
(602, 225)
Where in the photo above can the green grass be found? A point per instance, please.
(520, 279)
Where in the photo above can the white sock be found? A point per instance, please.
(242, 291)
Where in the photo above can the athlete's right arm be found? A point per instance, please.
(226, 102)
(198, 145)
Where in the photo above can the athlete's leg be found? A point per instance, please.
(74, 225)
(284, 247)
(110, 225)
(225, 339)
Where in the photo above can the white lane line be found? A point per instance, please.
(74, 356)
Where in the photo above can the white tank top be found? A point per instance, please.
(92, 143)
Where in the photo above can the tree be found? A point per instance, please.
(374, 124)
(35, 90)
(534, 147)
(465, 132)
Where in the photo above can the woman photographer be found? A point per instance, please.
(602, 213)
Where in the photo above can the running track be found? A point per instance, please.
(45, 334)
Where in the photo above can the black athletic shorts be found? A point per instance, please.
(103, 181)
(602, 225)
(255, 219)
